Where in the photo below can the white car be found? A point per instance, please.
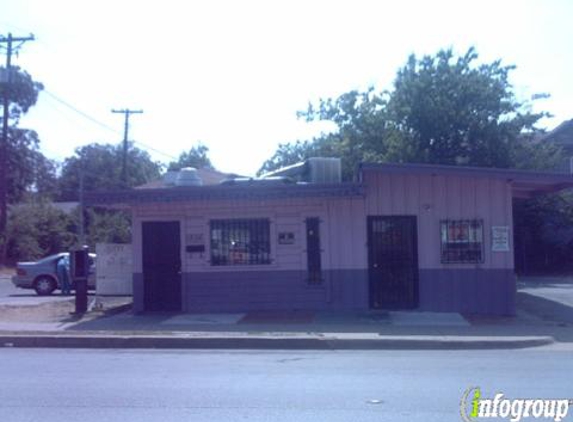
(42, 276)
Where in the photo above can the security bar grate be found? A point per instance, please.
(461, 241)
(240, 242)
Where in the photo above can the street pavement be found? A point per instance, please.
(52, 385)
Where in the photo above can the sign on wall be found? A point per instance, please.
(286, 238)
(500, 238)
(114, 269)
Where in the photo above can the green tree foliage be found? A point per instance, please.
(443, 109)
(101, 166)
(36, 229)
(107, 226)
(454, 111)
(543, 229)
(27, 169)
(22, 92)
(197, 157)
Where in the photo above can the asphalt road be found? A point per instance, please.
(114, 385)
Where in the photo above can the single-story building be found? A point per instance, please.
(402, 236)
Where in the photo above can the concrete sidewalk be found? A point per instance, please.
(113, 325)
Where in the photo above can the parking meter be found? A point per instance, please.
(80, 267)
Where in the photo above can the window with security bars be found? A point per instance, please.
(313, 250)
(462, 241)
(240, 242)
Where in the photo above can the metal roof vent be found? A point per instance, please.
(170, 177)
(324, 170)
(188, 176)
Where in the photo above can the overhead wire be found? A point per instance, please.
(103, 125)
(82, 113)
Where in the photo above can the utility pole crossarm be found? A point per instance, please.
(127, 112)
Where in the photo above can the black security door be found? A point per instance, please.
(161, 266)
(393, 262)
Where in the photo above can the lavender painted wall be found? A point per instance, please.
(476, 288)
(267, 290)
(486, 288)
(282, 284)
(435, 198)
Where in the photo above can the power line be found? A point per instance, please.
(156, 150)
(81, 113)
(103, 125)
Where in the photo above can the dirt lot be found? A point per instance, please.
(58, 311)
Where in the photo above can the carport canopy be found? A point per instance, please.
(524, 183)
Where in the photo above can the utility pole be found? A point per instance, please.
(82, 235)
(127, 113)
(9, 40)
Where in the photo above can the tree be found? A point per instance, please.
(19, 150)
(450, 110)
(107, 226)
(443, 109)
(22, 152)
(22, 92)
(28, 170)
(543, 229)
(196, 157)
(359, 118)
(101, 166)
(36, 229)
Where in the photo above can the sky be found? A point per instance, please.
(233, 74)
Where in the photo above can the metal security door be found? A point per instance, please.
(161, 266)
(393, 262)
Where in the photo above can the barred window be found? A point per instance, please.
(240, 242)
(462, 241)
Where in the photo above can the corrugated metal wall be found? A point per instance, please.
(435, 198)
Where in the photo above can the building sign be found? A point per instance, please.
(114, 268)
(286, 238)
(500, 238)
(195, 238)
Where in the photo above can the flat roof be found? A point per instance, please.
(525, 183)
(221, 192)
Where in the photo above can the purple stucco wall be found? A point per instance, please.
(486, 288)
(469, 291)
(267, 290)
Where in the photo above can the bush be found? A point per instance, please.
(36, 229)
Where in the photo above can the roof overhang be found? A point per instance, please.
(524, 183)
(129, 197)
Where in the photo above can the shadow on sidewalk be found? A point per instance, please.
(545, 309)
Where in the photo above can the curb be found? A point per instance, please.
(271, 342)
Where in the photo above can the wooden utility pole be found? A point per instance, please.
(127, 113)
(9, 40)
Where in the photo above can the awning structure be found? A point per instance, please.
(524, 183)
